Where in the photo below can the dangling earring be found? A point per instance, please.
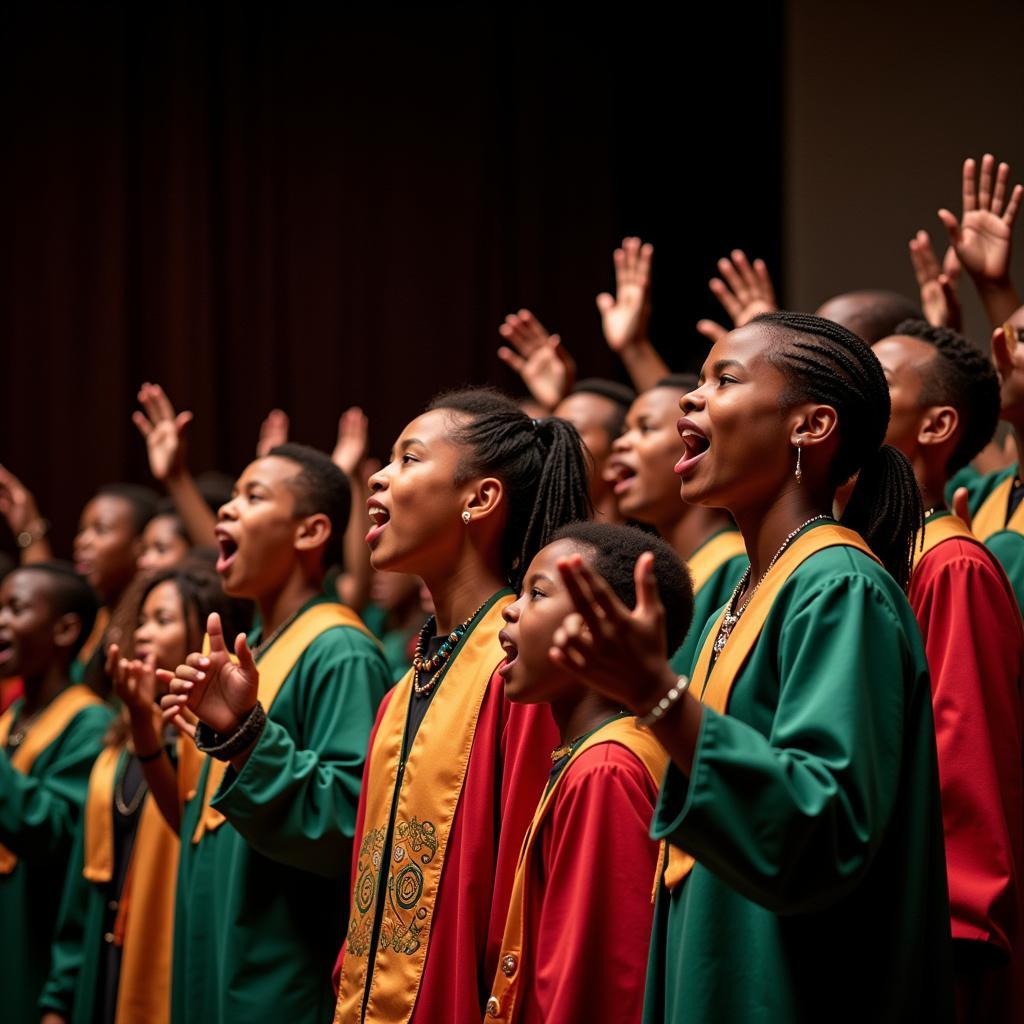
(799, 474)
(466, 516)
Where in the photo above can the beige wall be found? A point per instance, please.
(884, 101)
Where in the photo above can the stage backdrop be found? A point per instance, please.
(257, 207)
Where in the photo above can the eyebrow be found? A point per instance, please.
(537, 576)
(409, 442)
(724, 364)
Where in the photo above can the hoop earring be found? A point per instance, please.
(799, 474)
(466, 516)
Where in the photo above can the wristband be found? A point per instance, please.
(662, 707)
(146, 758)
(224, 748)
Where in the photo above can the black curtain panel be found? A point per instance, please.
(262, 206)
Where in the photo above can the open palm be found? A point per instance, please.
(624, 316)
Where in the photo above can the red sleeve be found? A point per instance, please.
(589, 903)
(360, 818)
(975, 646)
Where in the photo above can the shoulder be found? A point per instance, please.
(956, 556)
(92, 716)
(607, 769)
(339, 644)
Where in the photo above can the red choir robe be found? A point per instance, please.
(507, 772)
(974, 641)
(587, 926)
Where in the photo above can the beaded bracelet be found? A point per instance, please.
(661, 708)
(224, 748)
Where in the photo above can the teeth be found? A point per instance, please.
(378, 515)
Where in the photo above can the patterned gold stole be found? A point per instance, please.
(432, 778)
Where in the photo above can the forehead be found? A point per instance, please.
(108, 506)
(163, 595)
(900, 353)
(545, 562)
(657, 401)
(27, 584)
(270, 471)
(584, 410)
(432, 427)
(749, 346)
(162, 524)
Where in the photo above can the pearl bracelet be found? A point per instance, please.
(661, 708)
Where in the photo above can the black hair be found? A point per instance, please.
(621, 397)
(683, 381)
(202, 592)
(166, 509)
(615, 552)
(541, 463)
(70, 594)
(824, 362)
(143, 502)
(320, 487)
(963, 377)
(875, 313)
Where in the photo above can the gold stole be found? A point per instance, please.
(52, 721)
(92, 642)
(624, 731)
(435, 771)
(710, 557)
(991, 517)
(274, 668)
(938, 530)
(718, 679)
(144, 990)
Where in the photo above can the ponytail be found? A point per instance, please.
(885, 509)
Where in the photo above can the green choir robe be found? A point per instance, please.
(819, 892)
(707, 602)
(262, 901)
(39, 813)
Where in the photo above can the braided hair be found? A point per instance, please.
(824, 362)
(542, 464)
(963, 377)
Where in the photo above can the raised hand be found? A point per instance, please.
(617, 651)
(625, 315)
(981, 237)
(134, 680)
(938, 285)
(273, 431)
(746, 291)
(17, 503)
(350, 448)
(163, 430)
(215, 689)
(538, 357)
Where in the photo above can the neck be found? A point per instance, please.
(577, 714)
(41, 689)
(692, 529)
(277, 607)
(458, 593)
(606, 510)
(931, 482)
(765, 526)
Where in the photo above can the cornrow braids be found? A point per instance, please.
(963, 377)
(824, 362)
(542, 464)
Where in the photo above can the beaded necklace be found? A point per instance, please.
(437, 661)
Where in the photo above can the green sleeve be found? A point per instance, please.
(791, 819)
(69, 934)
(979, 487)
(38, 812)
(295, 799)
(1008, 547)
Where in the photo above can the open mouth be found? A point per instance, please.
(379, 518)
(227, 547)
(620, 475)
(511, 654)
(6, 650)
(696, 443)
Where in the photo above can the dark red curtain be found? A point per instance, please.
(271, 206)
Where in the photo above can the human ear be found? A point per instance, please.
(938, 425)
(813, 425)
(66, 630)
(313, 531)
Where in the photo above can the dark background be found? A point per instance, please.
(270, 206)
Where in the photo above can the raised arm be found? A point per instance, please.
(273, 431)
(349, 456)
(982, 235)
(938, 284)
(625, 316)
(163, 430)
(540, 358)
(744, 290)
(18, 507)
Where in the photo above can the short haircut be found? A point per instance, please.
(615, 552)
(320, 488)
(166, 509)
(70, 594)
(873, 314)
(143, 502)
(621, 396)
(960, 376)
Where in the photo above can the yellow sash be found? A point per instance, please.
(710, 557)
(92, 642)
(144, 989)
(717, 680)
(275, 667)
(434, 773)
(991, 517)
(52, 721)
(624, 731)
(938, 530)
